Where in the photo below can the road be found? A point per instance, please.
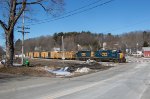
(126, 81)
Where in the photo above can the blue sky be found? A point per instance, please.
(117, 17)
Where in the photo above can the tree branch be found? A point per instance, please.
(36, 2)
(42, 6)
(20, 12)
(28, 3)
(4, 26)
(8, 3)
(12, 14)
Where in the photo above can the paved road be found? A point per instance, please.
(127, 81)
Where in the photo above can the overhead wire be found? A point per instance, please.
(104, 3)
(127, 26)
(85, 6)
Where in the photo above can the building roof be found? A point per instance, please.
(146, 48)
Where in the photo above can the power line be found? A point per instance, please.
(75, 12)
(85, 6)
(127, 26)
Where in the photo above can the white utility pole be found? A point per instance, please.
(137, 49)
(23, 32)
(63, 56)
(23, 37)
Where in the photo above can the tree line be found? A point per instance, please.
(86, 40)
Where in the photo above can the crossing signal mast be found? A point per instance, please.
(23, 33)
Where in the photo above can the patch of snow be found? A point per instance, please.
(83, 70)
(17, 65)
(60, 72)
(90, 61)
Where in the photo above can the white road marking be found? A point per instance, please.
(144, 88)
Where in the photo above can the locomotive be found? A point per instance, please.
(100, 55)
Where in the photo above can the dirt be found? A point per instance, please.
(37, 67)
(26, 71)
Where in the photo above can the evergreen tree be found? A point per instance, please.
(145, 44)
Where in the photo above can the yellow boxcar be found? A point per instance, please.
(53, 54)
(36, 55)
(30, 54)
(45, 55)
(69, 55)
(59, 55)
(27, 54)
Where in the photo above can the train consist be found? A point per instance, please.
(100, 55)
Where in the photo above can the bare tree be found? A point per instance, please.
(69, 43)
(1, 52)
(11, 12)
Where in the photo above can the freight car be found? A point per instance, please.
(30, 54)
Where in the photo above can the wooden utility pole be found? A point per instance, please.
(23, 32)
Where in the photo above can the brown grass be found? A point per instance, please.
(38, 67)
(27, 71)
